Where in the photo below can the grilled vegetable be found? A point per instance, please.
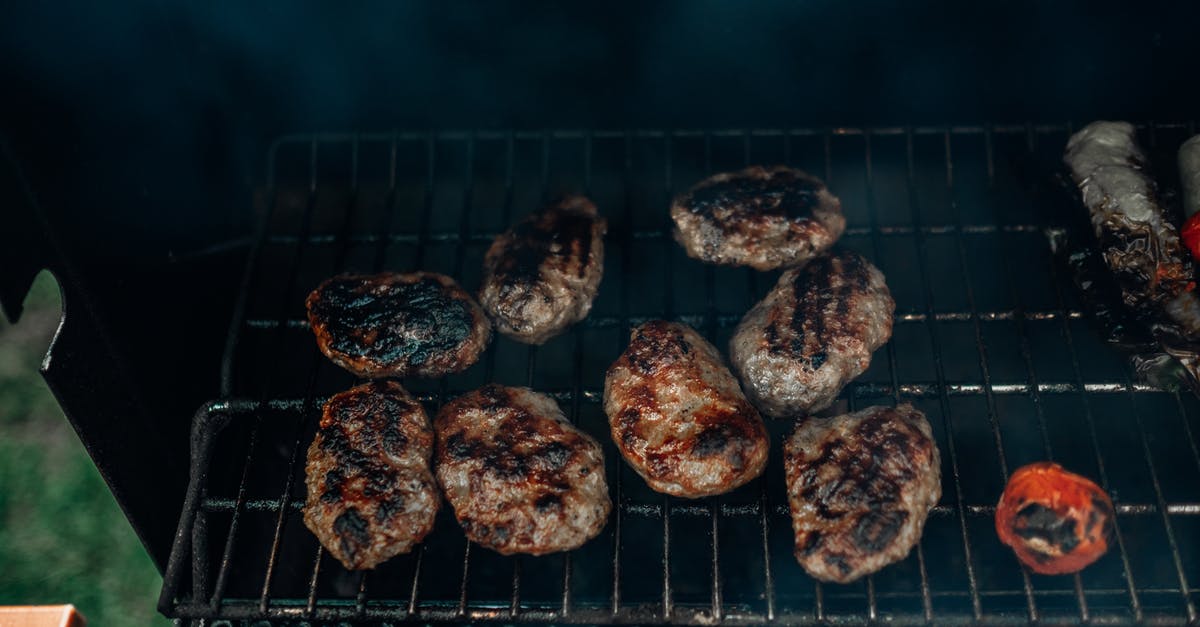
(1133, 271)
(1137, 239)
(1056, 521)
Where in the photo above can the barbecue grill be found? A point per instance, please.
(989, 342)
(199, 401)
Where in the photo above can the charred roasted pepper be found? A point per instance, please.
(1056, 521)
(1191, 235)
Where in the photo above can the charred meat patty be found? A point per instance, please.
(765, 218)
(521, 479)
(813, 333)
(541, 275)
(860, 487)
(370, 493)
(678, 415)
(397, 325)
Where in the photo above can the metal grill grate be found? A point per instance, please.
(989, 342)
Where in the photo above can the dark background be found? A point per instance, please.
(135, 132)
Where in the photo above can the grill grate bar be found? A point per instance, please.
(352, 207)
(626, 265)
(293, 273)
(764, 500)
(860, 390)
(730, 320)
(939, 367)
(981, 350)
(890, 348)
(654, 510)
(459, 135)
(1135, 605)
(1188, 604)
(668, 312)
(1027, 358)
(486, 237)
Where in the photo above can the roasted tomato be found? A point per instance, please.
(1057, 521)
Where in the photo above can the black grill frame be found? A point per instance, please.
(207, 598)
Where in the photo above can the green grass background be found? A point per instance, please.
(62, 537)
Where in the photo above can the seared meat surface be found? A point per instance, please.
(859, 487)
(370, 494)
(765, 218)
(1138, 241)
(541, 275)
(678, 415)
(813, 333)
(521, 479)
(397, 325)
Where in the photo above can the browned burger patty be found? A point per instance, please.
(541, 275)
(765, 218)
(397, 325)
(521, 479)
(371, 495)
(860, 486)
(812, 334)
(678, 415)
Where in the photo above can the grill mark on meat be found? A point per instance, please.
(517, 474)
(678, 416)
(765, 218)
(811, 334)
(782, 193)
(352, 530)
(859, 489)
(542, 274)
(560, 237)
(397, 324)
(370, 493)
(363, 318)
(813, 291)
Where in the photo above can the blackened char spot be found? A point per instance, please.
(818, 359)
(810, 293)
(392, 322)
(1036, 521)
(1105, 509)
(552, 237)
(554, 455)
(351, 528)
(458, 448)
(547, 502)
(389, 507)
(839, 562)
(333, 486)
(870, 470)
(394, 440)
(712, 441)
(811, 543)
(783, 193)
(876, 529)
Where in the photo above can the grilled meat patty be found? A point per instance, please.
(521, 479)
(813, 333)
(765, 218)
(370, 494)
(541, 275)
(678, 415)
(397, 325)
(1140, 245)
(859, 487)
